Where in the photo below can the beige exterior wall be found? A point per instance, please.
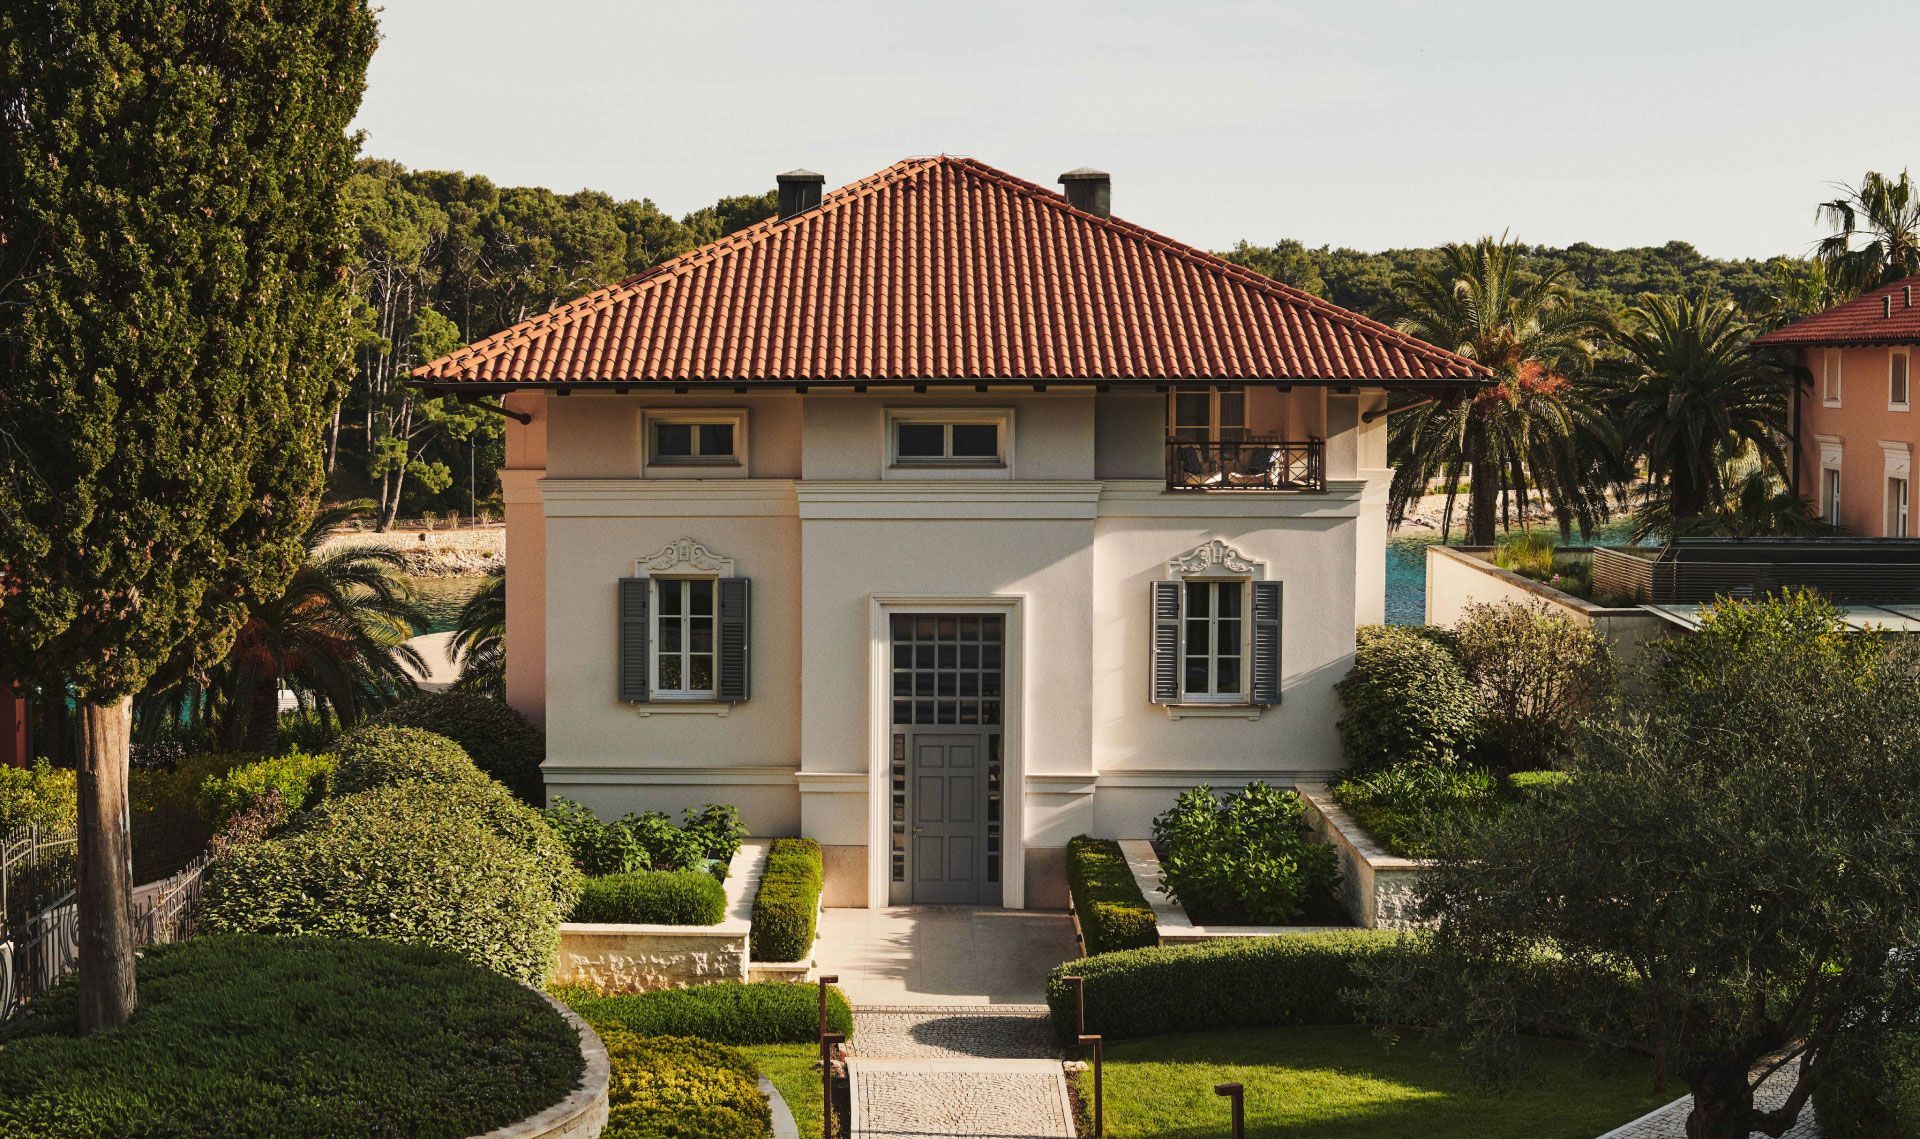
(1063, 546)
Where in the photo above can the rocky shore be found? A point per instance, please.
(476, 551)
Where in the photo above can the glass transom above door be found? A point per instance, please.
(948, 669)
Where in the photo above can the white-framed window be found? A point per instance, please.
(1213, 641)
(696, 443)
(1830, 376)
(965, 442)
(1209, 414)
(1897, 524)
(1898, 381)
(683, 638)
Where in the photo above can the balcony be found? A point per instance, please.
(1247, 464)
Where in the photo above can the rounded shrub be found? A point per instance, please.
(729, 1012)
(297, 778)
(379, 756)
(502, 742)
(445, 865)
(653, 897)
(680, 1087)
(1407, 700)
(787, 906)
(293, 1038)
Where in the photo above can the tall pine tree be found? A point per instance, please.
(173, 339)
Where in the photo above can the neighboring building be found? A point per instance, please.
(941, 520)
(1855, 428)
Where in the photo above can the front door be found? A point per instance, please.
(948, 793)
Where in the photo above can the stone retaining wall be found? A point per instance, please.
(1376, 886)
(616, 958)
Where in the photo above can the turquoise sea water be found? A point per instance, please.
(1407, 569)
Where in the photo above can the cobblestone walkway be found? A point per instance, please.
(957, 1072)
(1670, 1122)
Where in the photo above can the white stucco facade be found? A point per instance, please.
(1062, 545)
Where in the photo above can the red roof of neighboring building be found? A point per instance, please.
(1862, 320)
(938, 269)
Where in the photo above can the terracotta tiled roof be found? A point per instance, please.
(1862, 320)
(945, 269)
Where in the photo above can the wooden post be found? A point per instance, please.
(827, 1041)
(1236, 1095)
(1099, 1092)
(1079, 1004)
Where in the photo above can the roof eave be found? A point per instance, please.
(451, 386)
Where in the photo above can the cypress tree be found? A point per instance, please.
(173, 338)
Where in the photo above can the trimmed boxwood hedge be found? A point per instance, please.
(1113, 912)
(787, 906)
(678, 1087)
(648, 897)
(729, 1012)
(293, 1038)
(502, 742)
(1266, 982)
(379, 757)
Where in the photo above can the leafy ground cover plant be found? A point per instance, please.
(652, 897)
(1245, 859)
(1113, 913)
(728, 1012)
(293, 1038)
(786, 908)
(1406, 807)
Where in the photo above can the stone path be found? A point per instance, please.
(1670, 1122)
(959, 1071)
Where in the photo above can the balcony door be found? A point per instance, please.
(1209, 415)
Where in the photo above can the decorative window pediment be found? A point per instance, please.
(1215, 559)
(685, 557)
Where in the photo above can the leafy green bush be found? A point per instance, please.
(1407, 807)
(1266, 982)
(380, 756)
(598, 848)
(787, 906)
(730, 1012)
(1113, 912)
(718, 829)
(679, 1087)
(1245, 860)
(297, 778)
(653, 897)
(178, 786)
(647, 841)
(1407, 700)
(41, 796)
(501, 742)
(1871, 1088)
(463, 867)
(292, 1038)
(1537, 675)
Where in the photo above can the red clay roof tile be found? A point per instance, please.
(945, 268)
(1862, 320)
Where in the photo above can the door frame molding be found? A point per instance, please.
(1013, 854)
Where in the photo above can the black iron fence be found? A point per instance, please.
(1247, 464)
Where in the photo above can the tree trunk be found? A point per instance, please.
(1722, 1104)
(1483, 509)
(104, 882)
(261, 715)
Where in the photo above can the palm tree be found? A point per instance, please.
(1798, 290)
(1876, 238)
(1690, 396)
(337, 637)
(480, 639)
(1756, 504)
(1532, 426)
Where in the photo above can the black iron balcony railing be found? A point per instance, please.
(1247, 464)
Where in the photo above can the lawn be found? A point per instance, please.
(790, 1068)
(1344, 1083)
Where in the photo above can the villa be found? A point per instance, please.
(941, 518)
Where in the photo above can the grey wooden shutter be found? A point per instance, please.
(735, 655)
(1166, 642)
(1266, 642)
(633, 639)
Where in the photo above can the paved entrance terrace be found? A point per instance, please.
(943, 955)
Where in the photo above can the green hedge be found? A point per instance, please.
(1266, 982)
(678, 1087)
(787, 906)
(299, 780)
(730, 1012)
(1872, 1088)
(381, 757)
(39, 796)
(1407, 700)
(292, 1038)
(653, 897)
(1113, 912)
(501, 742)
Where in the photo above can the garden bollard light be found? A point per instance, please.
(1099, 1096)
(825, 980)
(827, 1041)
(1079, 1004)
(1237, 1094)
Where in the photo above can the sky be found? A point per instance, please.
(1372, 124)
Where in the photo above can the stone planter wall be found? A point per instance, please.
(641, 958)
(1377, 886)
(583, 1114)
(1176, 928)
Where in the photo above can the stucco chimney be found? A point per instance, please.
(1090, 190)
(1886, 307)
(799, 191)
(1908, 290)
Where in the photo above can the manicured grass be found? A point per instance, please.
(790, 1068)
(1344, 1083)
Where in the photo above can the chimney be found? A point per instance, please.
(799, 191)
(1090, 190)
(1886, 306)
(1908, 290)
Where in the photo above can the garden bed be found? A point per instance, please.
(1377, 887)
(1173, 924)
(633, 958)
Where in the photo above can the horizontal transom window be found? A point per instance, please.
(938, 438)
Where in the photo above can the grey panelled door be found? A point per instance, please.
(949, 784)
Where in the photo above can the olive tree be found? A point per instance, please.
(1723, 880)
(173, 338)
